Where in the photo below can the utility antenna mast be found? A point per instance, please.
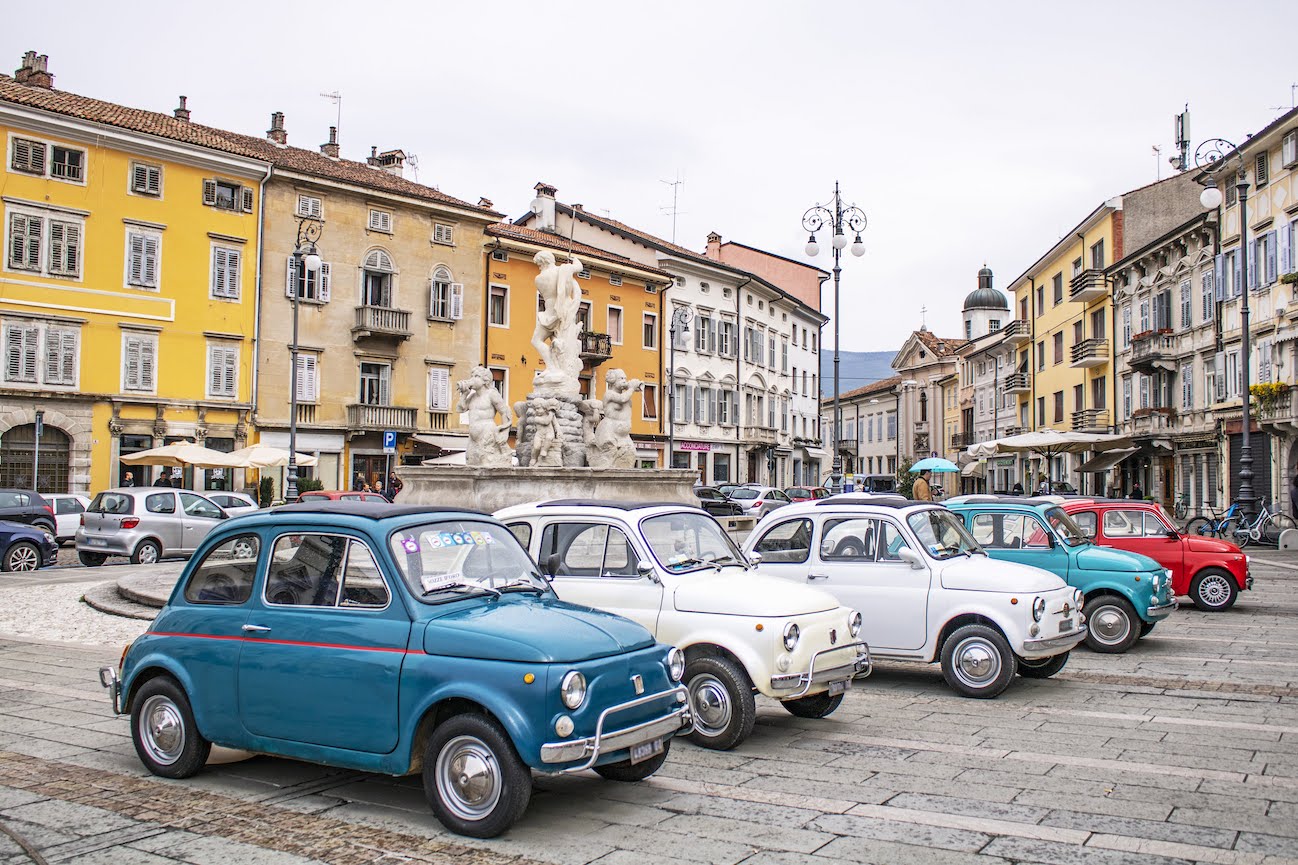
(337, 99)
(1181, 133)
(673, 210)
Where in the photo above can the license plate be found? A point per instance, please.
(97, 542)
(645, 750)
(1065, 625)
(836, 688)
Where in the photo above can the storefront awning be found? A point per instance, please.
(1106, 461)
(444, 442)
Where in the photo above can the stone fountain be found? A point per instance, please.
(567, 446)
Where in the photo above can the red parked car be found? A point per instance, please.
(1211, 572)
(805, 494)
(341, 495)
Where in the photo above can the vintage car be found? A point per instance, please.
(396, 639)
(674, 570)
(1211, 571)
(927, 590)
(1126, 594)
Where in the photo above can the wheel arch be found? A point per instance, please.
(960, 621)
(1220, 566)
(437, 714)
(744, 656)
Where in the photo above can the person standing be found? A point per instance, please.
(129, 480)
(1136, 491)
(921, 491)
(164, 478)
(358, 483)
(393, 487)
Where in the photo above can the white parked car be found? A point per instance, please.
(674, 570)
(67, 514)
(234, 504)
(926, 589)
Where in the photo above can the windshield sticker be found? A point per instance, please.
(433, 583)
(410, 545)
(460, 539)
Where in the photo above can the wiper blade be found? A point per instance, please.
(453, 585)
(683, 563)
(521, 584)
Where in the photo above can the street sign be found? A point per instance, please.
(389, 442)
(40, 424)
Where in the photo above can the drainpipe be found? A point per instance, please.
(739, 382)
(256, 301)
(665, 396)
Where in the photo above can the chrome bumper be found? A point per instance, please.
(859, 667)
(593, 747)
(108, 678)
(1159, 611)
(1063, 641)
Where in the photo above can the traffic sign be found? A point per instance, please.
(389, 441)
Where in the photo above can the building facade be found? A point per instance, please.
(869, 439)
(924, 362)
(986, 360)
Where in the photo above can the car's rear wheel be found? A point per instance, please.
(628, 771)
(163, 730)
(146, 553)
(1042, 668)
(977, 662)
(1112, 625)
(1213, 591)
(722, 696)
(22, 556)
(473, 778)
(91, 560)
(815, 706)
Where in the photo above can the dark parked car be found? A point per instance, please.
(25, 506)
(715, 502)
(25, 548)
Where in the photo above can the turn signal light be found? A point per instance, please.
(130, 522)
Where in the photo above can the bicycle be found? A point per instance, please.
(1181, 507)
(1264, 528)
(1212, 526)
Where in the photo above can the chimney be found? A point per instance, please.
(182, 112)
(485, 203)
(543, 207)
(580, 208)
(277, 133)
(714, 246)
(391, 161)
(330, 148)
(35, 71)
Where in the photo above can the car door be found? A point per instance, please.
(1022, 538)
(67, 515)
(595, 564)
(162, 520)
(1141, 531)
(199, 517)
(323, 646)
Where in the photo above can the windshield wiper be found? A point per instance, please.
(523, 583)
(687, 562)
(458, 586)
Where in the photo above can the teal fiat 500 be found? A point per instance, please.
(1127, 594)
(400, 640)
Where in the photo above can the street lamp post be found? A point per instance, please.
(304, 256)
(1209, 157)
(681, 317)
(840, 219)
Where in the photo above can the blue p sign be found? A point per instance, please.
(389, 441)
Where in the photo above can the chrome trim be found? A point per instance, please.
(594, 747)
(1161, 610)
(1063, 641)
(108, 678)
(812, 677)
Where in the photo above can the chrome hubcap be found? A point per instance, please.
(24, 558)
(711, 704)
(1213, 590)
(162, 729)
(468, 778)
(977, 663)
(1110, 625)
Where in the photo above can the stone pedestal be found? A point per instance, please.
(490, 489)
(570, 422)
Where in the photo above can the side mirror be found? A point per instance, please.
(906, 554)
(645, 568)
(551, 564)
(754, 559)
(1173, 534)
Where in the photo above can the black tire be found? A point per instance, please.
(45, 525)
(162, 727)
(1227, 532)
(146, 553)
(849, 549)
(22, 556)
(1200, 525)
(1274, 525)
(977, 662)
(1043, 668)
(627, 771)
(1112, 626)
(816, 706)
(722, 696)
(1213, 590)
(500, 789)
(1145, 628)
(91, 560)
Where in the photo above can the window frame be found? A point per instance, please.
(811, 538)
(195, 572)
(145, 235)
(615, 339)
(649, 328)
(233, 274)
(147, 167)
(491, 297)
(145, 338)
(231, 351)
(264, 574)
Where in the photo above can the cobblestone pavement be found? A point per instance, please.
(1183, 750)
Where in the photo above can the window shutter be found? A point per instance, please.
(218, 272)
(230, 369)
(131, 364)
(439, 389)
(65, 247)
(53, 357)
(1252, 263)
(290, 271)
(700, 337)
(700, 404)
(457, 300)
(136, 269)
(68, 359)
(1239, 288)
(148, 350)
(25, 241)
(232, 260)
(58, 246)
(1270, 257)
(215, 359)
(385, 385)
(246, 195)
(1219, 276)
(151, 261)
(13, 352)
(209, 192)
(139, 178)
(1282, 240)
(323, 276)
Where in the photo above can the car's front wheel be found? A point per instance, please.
(91, 560)
(816, 706)
(163, 730)
(1042, 668)
(977, 662)
(1146, 627)
(473, 778)
(22, 556)
(1112, 625)
(722, 696)
(1213, 591)
(628, 771)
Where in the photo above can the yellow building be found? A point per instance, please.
(621, 322)
(128, 289)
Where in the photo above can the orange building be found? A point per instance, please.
(621, 323)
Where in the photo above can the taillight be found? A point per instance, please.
(130, 522)
(757, 503)
(81, 520)
(49, 508)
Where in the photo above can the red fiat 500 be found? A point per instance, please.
(1210, 571)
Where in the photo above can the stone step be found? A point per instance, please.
(148, 589)
(106, 598)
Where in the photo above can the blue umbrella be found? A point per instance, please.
(934, 464)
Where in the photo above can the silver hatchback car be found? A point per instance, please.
(145, 523)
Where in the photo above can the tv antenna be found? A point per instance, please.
(413, 161)
(673, 209)
(1158, 163)
(337, 99)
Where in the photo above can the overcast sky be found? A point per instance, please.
(968, 132)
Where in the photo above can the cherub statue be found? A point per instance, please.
(612, 446)
(558, 288)
(488, 440)
(547, 444)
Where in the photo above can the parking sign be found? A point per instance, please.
(389, 442)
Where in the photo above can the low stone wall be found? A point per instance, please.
(490, 489)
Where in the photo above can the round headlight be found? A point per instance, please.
(854, 624)
(1078, 598)
(791, 634)
(573, 689)
(676, 664)
(1038, 609)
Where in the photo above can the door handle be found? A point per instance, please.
(817, 576)
(256, 629)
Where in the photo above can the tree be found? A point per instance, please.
(905, 480)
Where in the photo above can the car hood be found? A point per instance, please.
(735, 592)
(982, 574)
(1093, 558)
(1200, 544)
(528, 629)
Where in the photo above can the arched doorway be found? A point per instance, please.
(17, 450)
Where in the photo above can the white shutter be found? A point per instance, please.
(135, 251)
(219, 270)
(232, 262)
(215, 361)
(1271, 273)
(151, 260)
(60, 356)
(1282, 240)
(439, 389)
(65, 247)
(246, 194)
(323, 276)
(230, 369)
(25, 241)
(290, 283)
(385, 385)
(457, 300)
(307, 378)
(148, 352)
(131, 364)
(209, 192)
(139, 178)
(700, 404)
(68, 359)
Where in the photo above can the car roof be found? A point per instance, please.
(596, 505)
(993, 499)
(852, 501)
(1094, 501)
(369, 510)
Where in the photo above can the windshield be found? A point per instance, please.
(689, 541)
(1069, 532)
(942, 533)
(745, 493)
(446, 560)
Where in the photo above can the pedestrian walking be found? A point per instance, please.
(921, 491)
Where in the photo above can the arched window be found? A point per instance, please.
(18, 447)
(376, 279)
(923, 407)
(442, 290)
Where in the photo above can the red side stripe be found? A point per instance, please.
(241, 638)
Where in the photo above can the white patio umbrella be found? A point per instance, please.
(181, 454)
(265, 456)
(1049, 443)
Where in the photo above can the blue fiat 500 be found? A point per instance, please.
(395, 639)
(1126, 593)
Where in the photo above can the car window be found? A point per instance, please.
(1009, 532)
(304, 570)
(788, 542)
(67, 506)
(1086, 521)
(11, 500)
(619, 558)
(943, 533)
(573, 549)
(778, 496)
(522, 531)
(1154, 527)
(744, 493)
(689, 541)
(1123, 524)
(197, 506)
(363, 585)
(893, 542)
(849, 540)
(226, 573)
(159, 503)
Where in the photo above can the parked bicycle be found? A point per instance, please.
(1182, 506)
(1242, 529)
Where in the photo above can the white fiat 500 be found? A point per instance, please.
(926, 589)
(674, 570)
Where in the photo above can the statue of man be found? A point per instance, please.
(612, 446)
(479, 399)
(558, 288)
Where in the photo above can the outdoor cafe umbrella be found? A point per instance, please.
(265, 456)
(180, 454)
(934, 464)
(1049, 443)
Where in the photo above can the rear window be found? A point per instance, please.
(13, 500)
(112, 503)
(744, 493)
(226, 573)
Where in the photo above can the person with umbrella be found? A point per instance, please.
(921, 491)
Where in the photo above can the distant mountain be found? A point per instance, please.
(855, 369)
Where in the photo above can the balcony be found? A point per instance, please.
(1279, 416)
(1152, 349)
(1013, 431)
(1088, 285)
(1091, 352)
(595, 347)
(1091, 420)
(961, 440)
(847, 446)
(1155, 420)
(766, 435)
(1017, 382)
(362, 418)
(1018, 332)
(381, 321)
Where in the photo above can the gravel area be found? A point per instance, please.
(57, 613)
